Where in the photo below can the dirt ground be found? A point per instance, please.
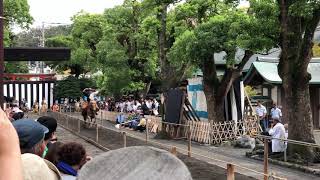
(114, 140)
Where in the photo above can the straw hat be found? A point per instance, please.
(37, 168)
(135, 163)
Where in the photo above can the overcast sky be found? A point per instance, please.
(60, 11)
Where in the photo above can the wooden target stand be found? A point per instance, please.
(32, 54)
(181, 129)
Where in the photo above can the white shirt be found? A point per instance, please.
(276, 113)
(261, 110)
(16, 110)
(156, 104)
(278, 131)
(149, 104)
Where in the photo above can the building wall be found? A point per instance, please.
(234, 102)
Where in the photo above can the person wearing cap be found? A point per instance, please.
(31, 136)
(51, 124)
(278, 132)
(37, 168)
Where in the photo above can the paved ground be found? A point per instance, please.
(66, 136)
(227, 154)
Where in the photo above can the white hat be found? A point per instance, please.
(37, 168)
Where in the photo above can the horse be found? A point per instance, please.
(89, 110)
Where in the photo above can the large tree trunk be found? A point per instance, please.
(296, 44)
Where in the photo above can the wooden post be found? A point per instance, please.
(97, 133)
(173, 150)
(101, 118)
(67, 122)
(79, 125)
(124, 139)
(230, 172)
(285, 155)
(147, 131)
(266, 147)
(189, 141)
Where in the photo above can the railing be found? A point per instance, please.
(74, 125)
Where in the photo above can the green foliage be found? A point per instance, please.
(316, 50)
(17, 12)
(250, 91)
(71, 87)
(16, 67)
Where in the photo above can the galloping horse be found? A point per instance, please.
(89, 110)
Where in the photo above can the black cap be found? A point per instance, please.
(50, 123)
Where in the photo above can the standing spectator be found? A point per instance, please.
(72, 156)
(149, 104)
(16, 112)
(55, 107)
(51, 124)
(276, 112)
(122, 106)
(261, 112)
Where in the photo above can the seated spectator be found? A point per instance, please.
(142, 124)
(121, 118)
(277, 131)
(10, 155)
(37, 168)
(52, 154)
(31, 136)
(71, 157)
(51, 124)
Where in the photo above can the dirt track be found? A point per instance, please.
(114, 140)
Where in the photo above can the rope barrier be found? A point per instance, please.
(290, 141)
(178, 148)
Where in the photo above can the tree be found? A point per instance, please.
(298, 21)
(126, 51)
(16, 67)
(17, 13)
(227, 30)
(161, 26)
(71, 87)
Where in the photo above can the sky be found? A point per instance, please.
(60, 11)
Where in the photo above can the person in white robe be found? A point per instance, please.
(277, 131)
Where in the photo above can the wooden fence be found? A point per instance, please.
(200, 130)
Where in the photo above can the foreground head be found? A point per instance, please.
(151, 163)
(31, 136)
(51, 124)
(73, 154)
(52, 154)
(37, 168)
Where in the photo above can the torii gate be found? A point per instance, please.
(26, 54)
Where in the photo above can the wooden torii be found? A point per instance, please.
(32, 54)
(26, 54)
